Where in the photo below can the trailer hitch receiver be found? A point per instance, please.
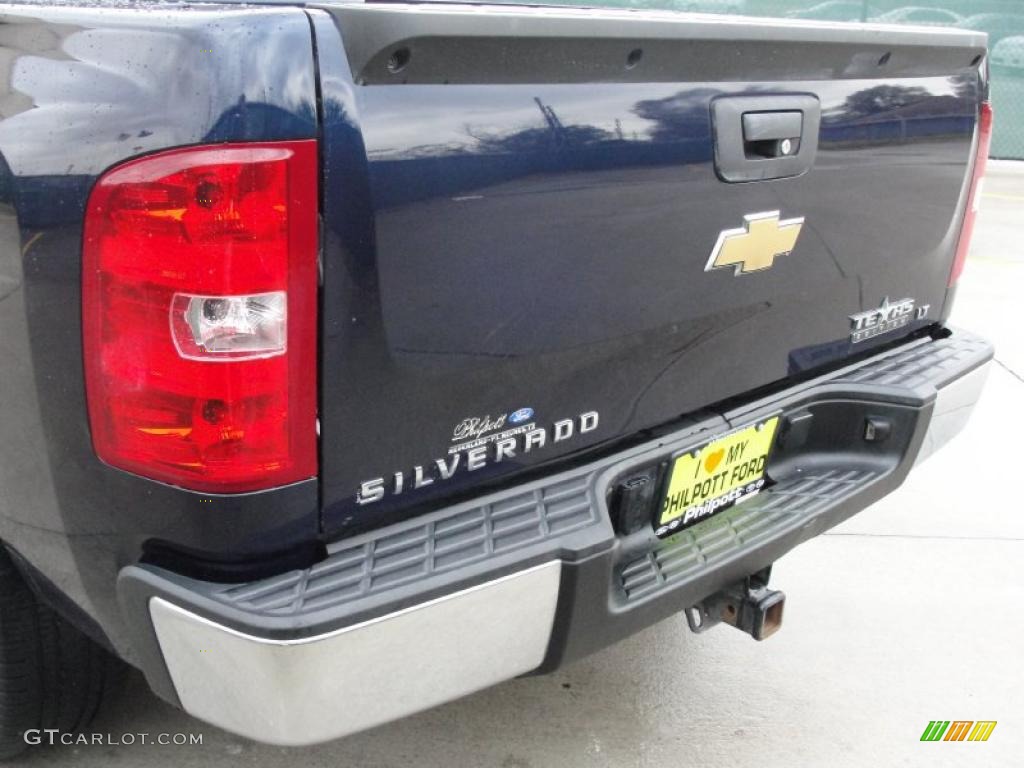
(747, 605)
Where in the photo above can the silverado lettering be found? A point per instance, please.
(478, 457)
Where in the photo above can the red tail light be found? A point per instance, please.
(199, 315)
(974, 195)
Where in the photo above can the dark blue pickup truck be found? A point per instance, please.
(357, 356)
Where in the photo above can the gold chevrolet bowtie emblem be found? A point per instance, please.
(755, 245)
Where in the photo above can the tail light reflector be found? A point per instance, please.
(974, 194)
(199, 315)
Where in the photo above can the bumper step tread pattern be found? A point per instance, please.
(734, 531)
(932, 363)
(415, 553)
(545, 510)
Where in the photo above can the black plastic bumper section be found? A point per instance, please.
(613, 584)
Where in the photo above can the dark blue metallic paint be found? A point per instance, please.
(484, 247)
(86, 89)
(545, 243)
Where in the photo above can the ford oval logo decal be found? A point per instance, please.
(523, 414)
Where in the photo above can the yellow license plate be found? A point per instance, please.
(715, 477)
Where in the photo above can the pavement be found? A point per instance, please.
(907, 613)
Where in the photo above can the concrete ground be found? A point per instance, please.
(910, 612)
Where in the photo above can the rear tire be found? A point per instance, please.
(51, 675)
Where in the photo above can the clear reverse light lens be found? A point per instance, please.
(230, 327)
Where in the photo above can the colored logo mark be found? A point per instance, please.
(958, 730)
(521, 415)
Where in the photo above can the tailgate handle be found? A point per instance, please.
(771, 134)
(760, 138)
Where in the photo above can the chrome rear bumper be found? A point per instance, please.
(522, 580)
(314, 689)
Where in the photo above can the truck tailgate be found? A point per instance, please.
(542, 220)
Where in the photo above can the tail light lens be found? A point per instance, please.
(974, 195)
(199, 315)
